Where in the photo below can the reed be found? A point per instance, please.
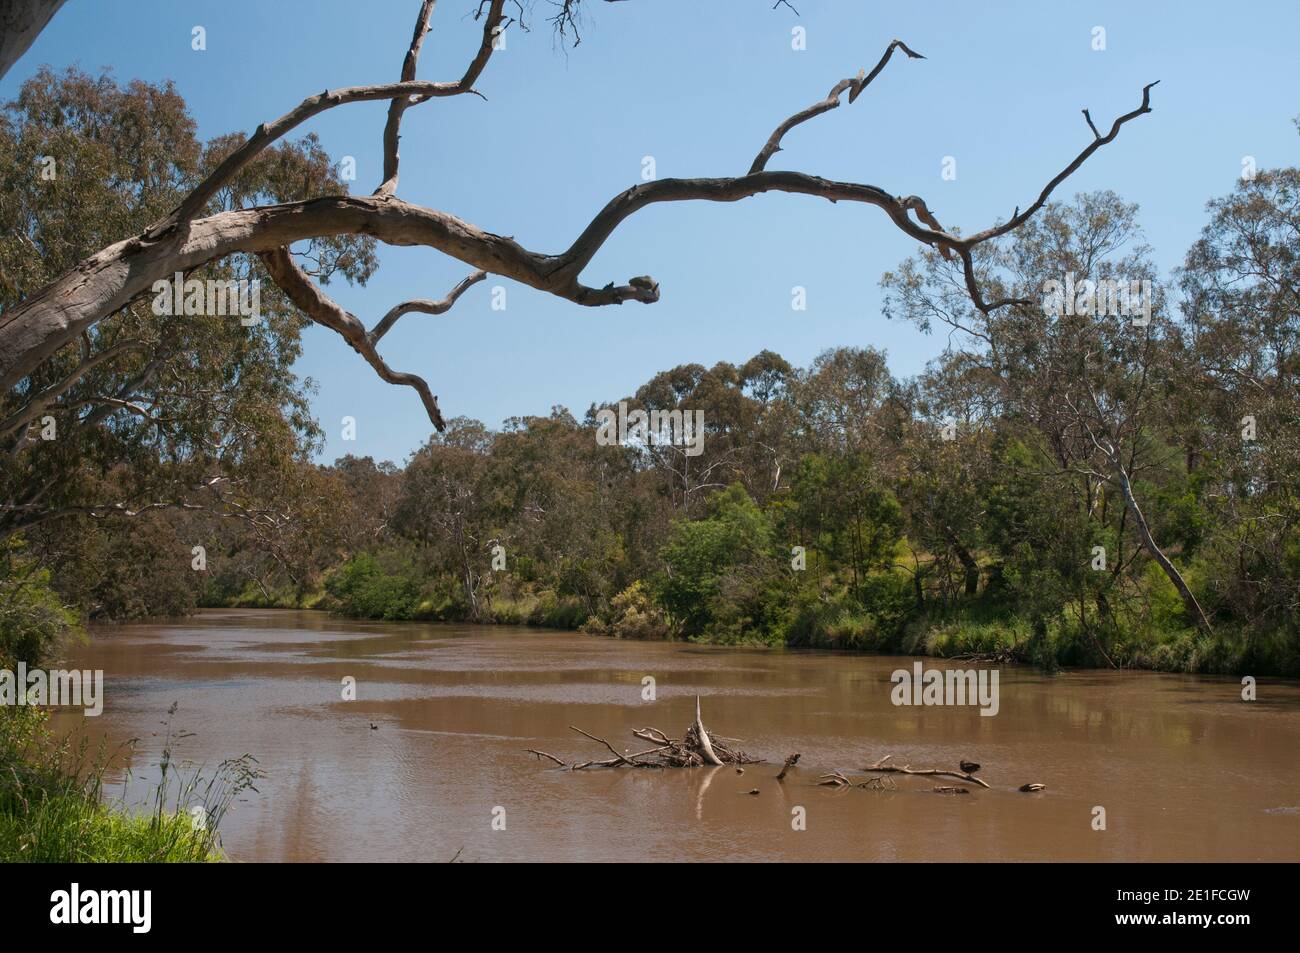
(54, 807)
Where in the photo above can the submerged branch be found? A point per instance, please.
(693, 749)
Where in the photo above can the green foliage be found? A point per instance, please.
(53, 810)
(975, 637)
(34, 623)
(181, 418)
(699, 552)
(367, 586)
(555, 611)
(635, 616)
(69, 829)
(847, 514)
(145, 571)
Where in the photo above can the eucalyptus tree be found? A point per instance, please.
(176, 418)
(1241, 300)
(1086, 359)
(444, 505)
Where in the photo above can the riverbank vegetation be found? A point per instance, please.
(54, 807)
(1087, 486)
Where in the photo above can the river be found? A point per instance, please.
(1182, 766)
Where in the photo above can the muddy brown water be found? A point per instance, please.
(1183, 767)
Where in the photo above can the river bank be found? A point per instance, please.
(973, 634)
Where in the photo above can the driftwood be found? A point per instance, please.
(695, 748)
(881, 768)
(702, 737)
(543, 754)
(837, 780)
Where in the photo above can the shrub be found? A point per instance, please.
(700, 552)
(636, 616)
(559, 612)
(34, 623)
(376, 587)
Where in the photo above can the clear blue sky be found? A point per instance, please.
(700, 86)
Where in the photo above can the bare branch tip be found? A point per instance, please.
(907, 49)
(1087, 116)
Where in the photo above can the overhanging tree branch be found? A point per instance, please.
(1019, 218)
(47, 397)
(392, 128)
(56, 314)
(424, 306)
(21, 21)
(411, 91)
(322, 309)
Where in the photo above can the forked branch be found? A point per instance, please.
(1020, 218)
(410, 91)
(322, 309)
(56, 314)
(880, 767)
(855, 86)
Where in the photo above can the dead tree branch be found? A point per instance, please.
(21, 21)
(881, 768)
(424, 306)
(322, 309)
(57, 314)
(855, 86)
(694, 749)
(543, 754)
(410, 91)
(1020, 218)
(392, 128)
(790, 762)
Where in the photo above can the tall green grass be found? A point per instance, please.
(54, 809)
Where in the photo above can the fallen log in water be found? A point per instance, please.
(837, 780)
(881, 768)
(696, 747)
